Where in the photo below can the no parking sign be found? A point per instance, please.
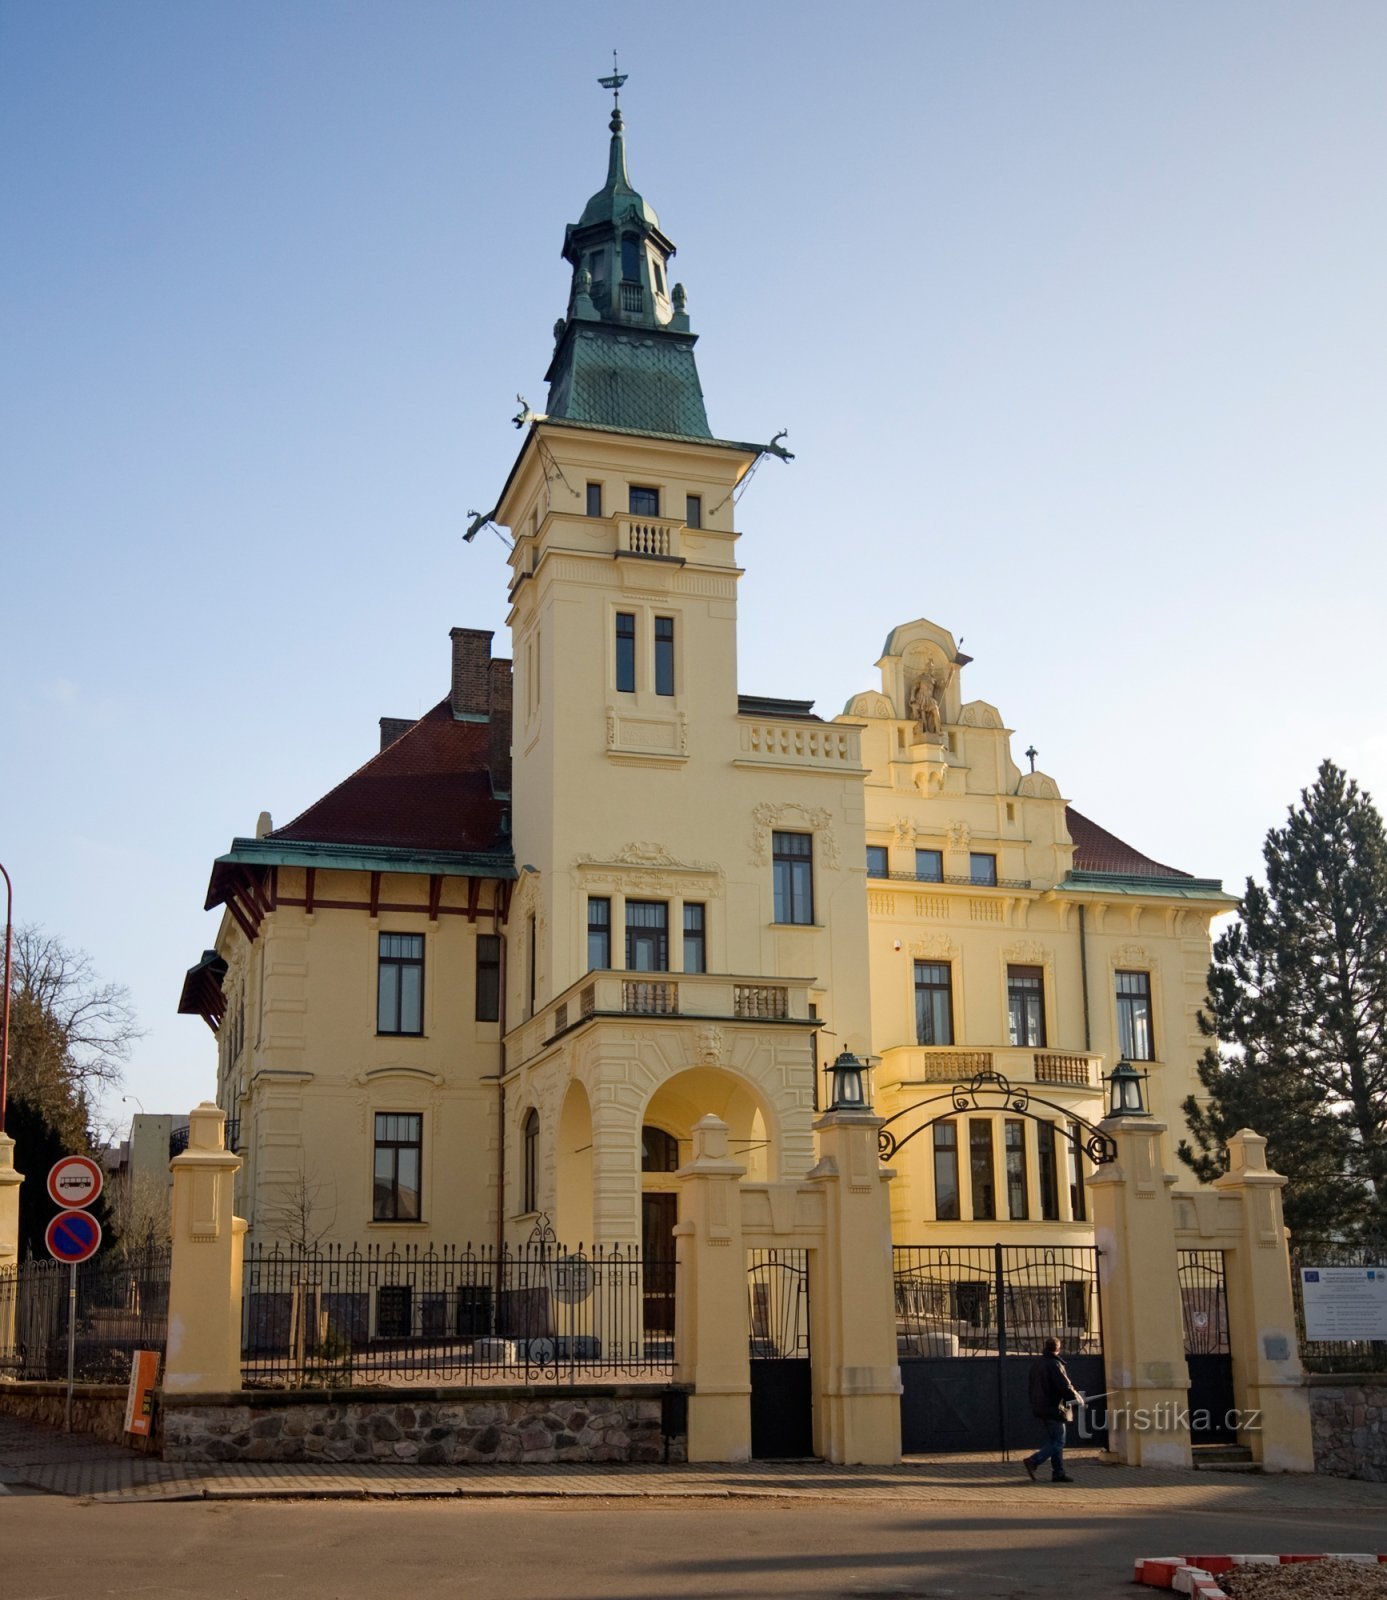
(73, 1236)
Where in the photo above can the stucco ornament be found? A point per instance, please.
(934, 947)
(960, 835)
(709, 1042)
(925, 696)
(1026, 952)
(767, 816)
(870, 703)
(905, 830)
(978, 714)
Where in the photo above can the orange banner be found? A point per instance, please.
(139, 1402)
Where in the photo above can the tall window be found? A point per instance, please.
(792, 863)
(647, 936)
(1134, 1016)
(695, 939)
(1049, 1173)
(982, 867)
(934, 1003)
(399, 1158)
(1018, 1203)
(594, 499)
(644, 501)
(1026, 1005)
(929, 866)
(529, 1162)
(980, 1170)
(630, 263)
(1077, 1207)
(400, 984)
(946, 1171)
(626, 652)
(878, 861)
(693, 511)
(664, 655)
(533, 975)
(599, 933)
(488, 977)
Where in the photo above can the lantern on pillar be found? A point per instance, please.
(849, 1088)
(1127, 1091)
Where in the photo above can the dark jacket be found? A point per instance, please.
(1051, 1390)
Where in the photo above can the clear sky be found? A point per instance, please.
(1074, 312)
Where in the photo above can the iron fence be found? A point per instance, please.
(336, 1316)
(121, 1305)
(1338, 1355)
(989, 1300)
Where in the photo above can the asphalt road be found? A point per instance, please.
(55, 1549)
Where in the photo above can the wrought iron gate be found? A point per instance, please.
(782, 1395)
(1204, 1308)
(970, 1320)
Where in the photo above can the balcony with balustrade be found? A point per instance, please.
(679, 997)
(1068, 1075)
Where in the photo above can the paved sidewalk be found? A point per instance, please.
(37, 1458)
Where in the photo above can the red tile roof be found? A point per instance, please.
(429, 790)
(1097, 850)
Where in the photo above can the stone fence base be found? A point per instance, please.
(1348, 1414)
(431, 1426)
(97, 1408)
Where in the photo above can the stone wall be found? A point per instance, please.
(1348, 1413)
(97, 1408)
(430, 1426)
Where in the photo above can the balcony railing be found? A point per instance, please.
(632, 297)
(643, 998)
(809, 744)
(648, 536)
(942, 1064)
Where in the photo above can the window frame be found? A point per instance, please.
(929, 877)
(1078, 1201)
(663, 630)
(1019, 979)
(696, 938)
(488, 964)
(600, 929)
(395, 1145)
(594, 499)
(1126, 1021)
(398, 964)
(693, 510)
(652, 509)
(989, 878)
(792, 879)
(529, 1163)
(624, 665)
(1014, 1153)
(982, 1165)
(878, 854)
(656, 932)
(1047, 1173)
(945, 1150)
(925, 986)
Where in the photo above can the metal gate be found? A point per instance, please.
(1204, 1308)
(970, 1320)
(782, 1395)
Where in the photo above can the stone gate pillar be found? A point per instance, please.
(857, 1379)
(204, 1338)
(711, 1329)
(1267, 1375)
(1143, 1329)
(10, 1181)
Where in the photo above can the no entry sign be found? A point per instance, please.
(74, 1181)
(72, 1236)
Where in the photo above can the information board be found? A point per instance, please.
(1345, 1302)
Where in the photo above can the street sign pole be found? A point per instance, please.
(71, 1338)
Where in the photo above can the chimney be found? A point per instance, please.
(471, 666)
(500, 706)
(391, 728)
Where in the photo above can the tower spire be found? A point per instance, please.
(614, 83)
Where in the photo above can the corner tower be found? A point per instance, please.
(658, 970)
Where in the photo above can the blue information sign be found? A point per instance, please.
(73, 1236)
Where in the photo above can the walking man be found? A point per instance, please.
(1052, 1394)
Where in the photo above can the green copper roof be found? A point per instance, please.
(616, 199)
(640, 378)
(368, 858)
(1137, 883)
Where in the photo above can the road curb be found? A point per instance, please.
(1197, 1576)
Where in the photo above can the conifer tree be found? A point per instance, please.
(1298, 1002)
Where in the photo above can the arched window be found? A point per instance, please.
(530, 1162)
(659, 1150)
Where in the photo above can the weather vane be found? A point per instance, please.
(614, 83)
(1031, 754)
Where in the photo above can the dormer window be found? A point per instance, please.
(597, 265)
(630, 259)
(657, 275)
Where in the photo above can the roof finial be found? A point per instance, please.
(614, 83)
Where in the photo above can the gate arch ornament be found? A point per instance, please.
(994, 1091)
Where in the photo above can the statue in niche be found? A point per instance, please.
(925, 697)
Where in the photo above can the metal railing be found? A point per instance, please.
(1203, 1301)
(332, 1316)
(989, 1300)
(1338, 1355)
(122, 1306)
